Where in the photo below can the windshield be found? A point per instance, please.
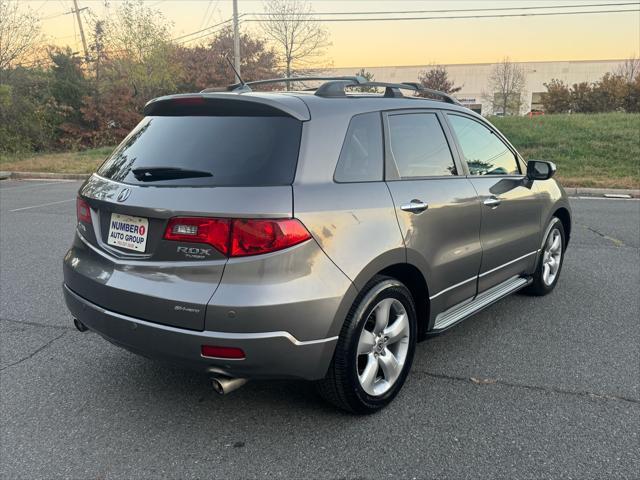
(223, 151)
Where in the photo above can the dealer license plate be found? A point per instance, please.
(128, 232)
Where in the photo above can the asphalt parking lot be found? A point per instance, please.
(530, 388)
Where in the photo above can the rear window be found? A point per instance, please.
(217, 151)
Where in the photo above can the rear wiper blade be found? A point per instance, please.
(151, 174)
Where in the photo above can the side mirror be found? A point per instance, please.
(540, 170)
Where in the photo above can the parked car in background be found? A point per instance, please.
(314, 235)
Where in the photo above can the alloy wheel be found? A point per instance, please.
(551, 257)
(383, 347)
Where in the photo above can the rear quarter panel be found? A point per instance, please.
(354, 223)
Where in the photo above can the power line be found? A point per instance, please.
(206, 14)
(402, 12)
(208, 34)
(56, 15)
(454, 17)
(203, 30)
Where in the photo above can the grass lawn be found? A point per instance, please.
(597, 150)
(85, 161)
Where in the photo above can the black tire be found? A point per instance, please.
(539, 287)
(341, 386)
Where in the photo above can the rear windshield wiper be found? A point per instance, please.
(152, 174)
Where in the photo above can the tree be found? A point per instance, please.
(581, 98)
(366, 74)
(299, 39)
(608, 93)
(632, 98)
(370, 77)
(19, 34)
(68, 87)
(203, 67)
(506, 87)
(138, 50)
(97, 47)
(557, 98)
(28, 119)
(437, 78)
(629, 69)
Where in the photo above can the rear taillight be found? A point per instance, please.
(83, 211)
(253, 237)
(238, 237)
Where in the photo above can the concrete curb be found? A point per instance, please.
(571, 191)
(46, 176)
(602, 192)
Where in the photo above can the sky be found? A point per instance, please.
(411, 42)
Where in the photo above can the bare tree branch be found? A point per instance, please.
(298, 43)
(629, 69)
(19, 33)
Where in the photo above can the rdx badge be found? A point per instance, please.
(194, 252)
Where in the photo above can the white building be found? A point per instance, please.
(473, 77)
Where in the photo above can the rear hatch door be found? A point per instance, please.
(193, 165)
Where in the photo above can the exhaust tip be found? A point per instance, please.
(217, 387)
(224, 385)
(80, 326)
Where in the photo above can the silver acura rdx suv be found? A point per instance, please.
(308, 234)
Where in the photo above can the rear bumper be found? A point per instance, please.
(268, 354)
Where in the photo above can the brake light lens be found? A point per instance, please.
(188, 101)
(222, 352)
(253, 237)
(213, 231)
(83, 210)
(238, 237)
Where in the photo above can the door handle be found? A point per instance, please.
(415, 206)
(492, 202)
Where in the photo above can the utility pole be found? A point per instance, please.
(236, 41)
(77, 11)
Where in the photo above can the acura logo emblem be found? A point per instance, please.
(124, 194)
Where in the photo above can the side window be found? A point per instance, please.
(361, 158)
(419, 146)
(485, 153)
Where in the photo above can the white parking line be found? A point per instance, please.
(34, 185)
(41, 205)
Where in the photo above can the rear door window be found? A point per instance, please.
(361, 158)
(419, 146)
(208, 151)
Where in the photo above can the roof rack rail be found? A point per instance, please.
(246, 86)
(335, 87)
(437, 93)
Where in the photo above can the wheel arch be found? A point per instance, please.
(414, 280)
(565, 217)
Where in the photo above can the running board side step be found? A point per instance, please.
(463, 310)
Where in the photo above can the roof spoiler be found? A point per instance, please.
(223, 104)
